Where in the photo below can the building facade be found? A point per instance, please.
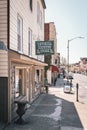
(50, 34)
(21, 70)
(83, 65)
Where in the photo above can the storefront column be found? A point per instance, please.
(33, 81)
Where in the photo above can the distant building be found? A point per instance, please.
(75, 67)
(80, 67)
(83, 64)
(50, 34)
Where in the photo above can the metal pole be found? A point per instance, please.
(68, 55)
(77, 86)
(68, 49)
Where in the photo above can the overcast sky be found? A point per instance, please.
(70, 18)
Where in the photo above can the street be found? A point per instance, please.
(82, 91)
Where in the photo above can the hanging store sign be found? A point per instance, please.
(44, 47)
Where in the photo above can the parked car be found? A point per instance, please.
(70, 77)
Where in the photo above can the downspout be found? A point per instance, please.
(8, 24)
(8, 47)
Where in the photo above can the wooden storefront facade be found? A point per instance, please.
(24, 73)
(20, 68)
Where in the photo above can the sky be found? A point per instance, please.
(70, 19)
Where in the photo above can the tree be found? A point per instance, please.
(47, 59)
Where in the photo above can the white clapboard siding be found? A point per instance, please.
(3, 37)
(19, 7)
(3, 33)
(3, 3)
(3, 21)
(3, 26)
(3, 63)
(29, 21)
(22, 8)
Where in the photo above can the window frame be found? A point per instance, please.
(30, 42)
(19, 33)
(38, 12)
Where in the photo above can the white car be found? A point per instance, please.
(69, 75)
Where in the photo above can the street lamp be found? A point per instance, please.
(68, 48)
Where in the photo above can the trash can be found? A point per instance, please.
(67, 87)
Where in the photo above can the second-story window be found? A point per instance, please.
(20, 33)
(39, 15)
(30, 42)
(38, 12)
(40, 19)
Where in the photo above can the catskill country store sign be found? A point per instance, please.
(44, 47)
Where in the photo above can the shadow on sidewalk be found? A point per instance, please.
(69, 115)
(49, 112)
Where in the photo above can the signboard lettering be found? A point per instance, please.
(44, 47)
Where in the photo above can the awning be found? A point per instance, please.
(55, 68)
(20, 58)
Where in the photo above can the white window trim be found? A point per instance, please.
(20, 33)
(30, 42)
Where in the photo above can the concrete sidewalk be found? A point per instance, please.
(79, 107)
(54, 111)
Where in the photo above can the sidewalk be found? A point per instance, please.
(54, 111)
(79, 107)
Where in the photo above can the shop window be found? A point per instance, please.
(38, 72)
(55, 61)
(38, 75)
(19, 83)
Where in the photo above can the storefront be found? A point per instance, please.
(26, 80)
